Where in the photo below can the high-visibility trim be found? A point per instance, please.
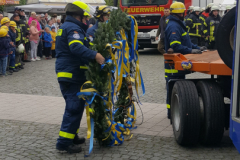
(171, 71)
(173, 42)
(83, 67)
(189, 19)
(11, 67)
(193, 34)
(64, 75)
(91, 44)
(75, 41)
(85, 38)
(59, 32)
(66, 135)
(184, 34)
(77, 130)
(16, 65)
(166, 76)
(168, 106)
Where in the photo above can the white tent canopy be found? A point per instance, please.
(53, 6)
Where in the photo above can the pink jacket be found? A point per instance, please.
(38, 24)
(34, 34)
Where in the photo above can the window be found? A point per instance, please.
(143, 2)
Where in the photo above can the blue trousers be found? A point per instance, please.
(73, 113)
(3, 65)
(12, 60)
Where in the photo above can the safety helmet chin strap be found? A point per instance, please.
(178, 16)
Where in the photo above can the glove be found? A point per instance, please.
(203, 48)
(196, 51)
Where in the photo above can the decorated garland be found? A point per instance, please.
(107, 121)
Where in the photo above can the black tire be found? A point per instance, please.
(223, 44)
(185, 108)
(212, 100)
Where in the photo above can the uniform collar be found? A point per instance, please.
(172, 18)
(80, 24)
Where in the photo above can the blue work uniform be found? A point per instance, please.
(72, 55)
(12, 56)
(91, 31)
(177, 38)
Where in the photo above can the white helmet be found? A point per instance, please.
(197, 9)
(20, 48)
(190, 7)
(203, 9)
(215, 8)
(228, 7)
(210, 5)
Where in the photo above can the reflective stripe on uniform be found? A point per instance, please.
(168, 106)
(77, 130)
(91, 44)
(189, 19)
(85, 38)
(59, 32)
(83, 67)
(173, 42)
(64, 75)
(66, 135)
(166, 76)
(205, 31)
(171, 71)
(184, 34)
(75, 41)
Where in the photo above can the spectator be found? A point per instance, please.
(43, 22)
(16, 10)
(12, 34)
(161, 30)
(53, 35)
(40, 43)
(49, 24)
(59, 24)
(33, 17)
(46, 17)
(48, 43)
(34, 38)
(1, 17)
(4, 50)
(54, 24)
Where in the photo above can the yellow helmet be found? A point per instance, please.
(5, 20)
(177, 7)
(3, 32)
(78, 7)
(5, 28)
(12, 24)
(101, 10)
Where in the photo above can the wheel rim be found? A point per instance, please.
(176, 114)
(231, 38)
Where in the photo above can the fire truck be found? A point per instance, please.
(148, 14)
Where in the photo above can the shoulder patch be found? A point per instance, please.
(173, 32)
(76, 36)
(76, 32)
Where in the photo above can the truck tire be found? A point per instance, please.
(225, 37)
(185, 113)
(212, 108)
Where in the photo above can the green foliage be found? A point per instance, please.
(101, 77)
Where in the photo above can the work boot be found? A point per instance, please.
(10, 71)
(73, 148)
(15, 70)
(21, 67)
(78, 140)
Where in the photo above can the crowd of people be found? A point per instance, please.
(29, 40)
(201, 24)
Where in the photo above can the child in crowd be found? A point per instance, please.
(5, 49)
(48, 43)
(12, 34)
(53, 34)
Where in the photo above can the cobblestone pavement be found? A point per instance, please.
(39, 78)
(31, 110)
(30, 124)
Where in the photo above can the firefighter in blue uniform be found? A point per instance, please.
(72, 55)
(102, 14)
(177, 38)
